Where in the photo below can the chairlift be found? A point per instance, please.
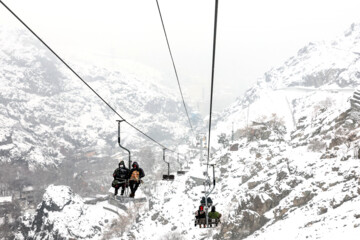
(167, 177)
(125, 198)
(207, 202)
(180, 172)
(187, 164)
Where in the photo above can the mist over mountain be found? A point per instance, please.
(47, 113)
(289, 171)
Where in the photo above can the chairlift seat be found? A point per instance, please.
(126, 199)
(168, 177)
(209, 201)
(181, 172)
(211, 222)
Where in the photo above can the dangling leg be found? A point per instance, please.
(132, 188)
(123, 188)
(116, 190)
(136, 185)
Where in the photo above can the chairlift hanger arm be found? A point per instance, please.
(164, 149)
(119, 141)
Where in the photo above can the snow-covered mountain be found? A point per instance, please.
(292, 171)
(319, 71)
(47, 113)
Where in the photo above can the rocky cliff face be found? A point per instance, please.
(63, 215)
(295, 186)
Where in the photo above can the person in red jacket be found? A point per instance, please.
(200, 216)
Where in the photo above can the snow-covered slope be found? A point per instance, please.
(64, 215)
(295, 174)
(305, 184)
(319, 71)
(46, 112)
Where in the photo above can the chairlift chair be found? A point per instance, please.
(125, 198)
(211, 222)
(167, 177)
(180, 172)
(187, 164)
(207, 202)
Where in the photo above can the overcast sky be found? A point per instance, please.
(253, 36)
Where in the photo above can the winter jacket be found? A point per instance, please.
(121, 173)
(200, 214)
(214, 215)
(136, 174)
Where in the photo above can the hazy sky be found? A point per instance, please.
(253, 36)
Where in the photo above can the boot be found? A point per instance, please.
(116, 192)
(131, 194)
(122, 193)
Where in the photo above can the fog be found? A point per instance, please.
(253, 36)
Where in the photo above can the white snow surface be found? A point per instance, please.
(301, 183)
(321, 71)
(6, 199)
(63, 214)
(46, 112)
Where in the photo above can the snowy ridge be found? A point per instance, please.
(296, 172)
(324, 67)
(47, 114)
(63, 215)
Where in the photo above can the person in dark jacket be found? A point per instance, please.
(136, 173)
(121, 176)
(200, 215)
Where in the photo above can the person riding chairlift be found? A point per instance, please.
(214, 214)
(136, 173)
(200, 215)
(121, 176)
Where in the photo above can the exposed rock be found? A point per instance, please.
(60, 214)
(279, 213)
(305, 198)
(334, 204)
(281, 175)
(345, 158)
(155, 216)
(241, 226)
(309, 224)
(253, 184)
(294, 182)
(259, 203)
(355, 105)
(322, 210)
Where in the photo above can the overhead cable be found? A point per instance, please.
(173, 63)
(78, 76)
(212, 80)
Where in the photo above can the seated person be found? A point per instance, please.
(214, 215)
(121, 175)
(200, 216)
(209, 201)
(136, 173)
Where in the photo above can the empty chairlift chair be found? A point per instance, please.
(167, 177)
(180, 172)
(187, 164)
